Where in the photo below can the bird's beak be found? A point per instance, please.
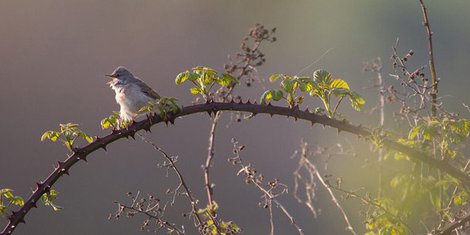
(113, 76)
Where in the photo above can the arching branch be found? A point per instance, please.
(212, 107)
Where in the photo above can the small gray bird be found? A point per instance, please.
(131, 93)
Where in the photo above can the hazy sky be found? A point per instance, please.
(54, 55)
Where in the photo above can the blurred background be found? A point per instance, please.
(54, 55)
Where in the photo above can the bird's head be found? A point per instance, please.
(121, 73)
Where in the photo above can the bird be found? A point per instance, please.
(131, 93)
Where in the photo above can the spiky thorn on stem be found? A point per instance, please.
(414, 155)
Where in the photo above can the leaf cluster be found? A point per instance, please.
(214, 227)
(320, 85)
(7, 198)
(67, 134)
(203, 79)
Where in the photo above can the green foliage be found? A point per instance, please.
(217, 227)
(203, 79)
(48, 199)
(321, 85)
(162, 107)
(446, 132)
(67, 134)
(7, 198)
(113, 121)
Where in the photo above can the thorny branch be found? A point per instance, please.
(100, 143)
(310, 168)
(274, 187)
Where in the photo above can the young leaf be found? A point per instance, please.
(287, 85)
(339, 83)
(274, 77)
(195, 90)
(180, 78)
(322, 76)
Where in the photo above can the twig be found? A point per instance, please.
(210, 156)
(182, 183)
(152, 210)
(372, 203)
(253, 177)
(312, 170)
(432, 67)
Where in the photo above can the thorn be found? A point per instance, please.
(172, 120)
(103, 146)
(313, 123)
(47, 189)
(166, 122)
(271, 114)
(269, 104)
(147, 128)
(82, 158)
(255, 102)
(248, 102)
(231, 100)
(132, 134)
(295, 118)
(209, 112)
(97, 138)
(240, 102)
(64, 171)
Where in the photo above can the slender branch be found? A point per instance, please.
(210, 156)
(312, 171)
(101, 143)
(192, 200)
(432, 67)
(372, 203)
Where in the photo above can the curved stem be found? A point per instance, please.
(210, 107)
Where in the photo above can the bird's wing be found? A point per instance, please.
(148, 91)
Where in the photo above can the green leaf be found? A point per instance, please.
(277, 95)
(195, 90)
(267, 95)
(88, 138)
(180, 78)
(322, 76)
(414, 132)
(5, 190)
(17, 200)
(339, 83)
(287, 85)
(275, 77)
(229, 77)
(305, 86)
